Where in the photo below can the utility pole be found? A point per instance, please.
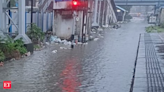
(73, 29)
(75, 4)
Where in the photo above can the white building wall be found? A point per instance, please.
(62, 27)
(162, 16)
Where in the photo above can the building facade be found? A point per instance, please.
(100, 13)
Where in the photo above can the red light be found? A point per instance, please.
(74, 3)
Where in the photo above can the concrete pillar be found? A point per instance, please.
(99, 12)
(107, 15)
(1, 16)
(21, 23)
(21, 14)
(95, 14)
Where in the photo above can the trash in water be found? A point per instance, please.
(79, 43)
(63, 48)
(65, 42)
(54, 51)
(96, 39)
(55, 39)
(47, 43)
(85, 43)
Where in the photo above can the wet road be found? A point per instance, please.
(105, 65)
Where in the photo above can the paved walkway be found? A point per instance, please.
(161, 36)
(149, 75)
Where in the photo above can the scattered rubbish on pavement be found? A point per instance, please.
(1, 63)
(28, 54)
(13, 59)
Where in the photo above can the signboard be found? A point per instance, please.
(152, 19)
(62, 5)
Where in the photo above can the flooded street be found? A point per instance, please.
(105, 65)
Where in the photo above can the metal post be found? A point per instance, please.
(73, 30)
(31, 13)
(21, 23)
(82, 28)
(9, 19)
(95, 14)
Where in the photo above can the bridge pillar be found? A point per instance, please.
(99, 11)
(1, 15)
(1, 19)
(95, 14)
(21, 23)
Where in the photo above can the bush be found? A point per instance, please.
(10, 46)
(11, 49)
(2, 56)
(19, 45)
(35, 34)
(151, 29)
(162, 25)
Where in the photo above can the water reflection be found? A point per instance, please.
(69, 75)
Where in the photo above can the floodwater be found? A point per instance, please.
(105, 65)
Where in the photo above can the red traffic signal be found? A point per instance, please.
(79, 5)
(75, 3)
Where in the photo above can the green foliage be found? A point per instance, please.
(35, 33)
(10, 45)
(1, 40)
(19, 45)
(2, 56)
(162, 25)
(152, 29)
(12, 3)
(36, 46)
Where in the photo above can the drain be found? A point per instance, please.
(135, 64)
